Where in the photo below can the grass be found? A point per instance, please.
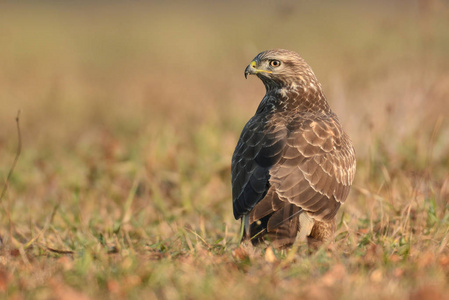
(129, 117)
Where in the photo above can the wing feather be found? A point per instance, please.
(260, 146)
(320, 183)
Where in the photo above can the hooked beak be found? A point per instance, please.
(249, 71)
(252, 70)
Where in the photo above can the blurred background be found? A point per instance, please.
(130, 112)
(149, 98)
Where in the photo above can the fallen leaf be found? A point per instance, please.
(335, 274)
(4, 280)
(269, 255)
(376, 275)
(426, 293)
(240, 253)
(63, 291)
(398, 272)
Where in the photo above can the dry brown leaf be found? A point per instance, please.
(335, 274)
(4, 280)
(64, 292)
(426, 259)
(394, 258)
(269, 255)
(444, 261)
(398, 272)
(113, 286)
(376, 275)
(427, 293)
(240, 253)
(373, 254)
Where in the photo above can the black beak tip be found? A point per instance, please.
(246, 75)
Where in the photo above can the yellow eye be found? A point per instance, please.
(275, 63)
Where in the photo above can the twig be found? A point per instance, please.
(59, 251)
(19, 149)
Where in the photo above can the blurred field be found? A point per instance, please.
(129, 117)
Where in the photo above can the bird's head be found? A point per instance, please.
(280, 68)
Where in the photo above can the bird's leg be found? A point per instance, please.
(244, 229)
(322, 233)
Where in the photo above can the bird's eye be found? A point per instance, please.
(275, 63)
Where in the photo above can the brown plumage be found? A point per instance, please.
(293, 165)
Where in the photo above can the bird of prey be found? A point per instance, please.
(293, 165)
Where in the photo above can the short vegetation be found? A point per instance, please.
(130, 114)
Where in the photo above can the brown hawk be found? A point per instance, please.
(293, 165)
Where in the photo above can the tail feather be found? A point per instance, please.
(269, 204)
(283, 226)
(272, 220)
(280, 227)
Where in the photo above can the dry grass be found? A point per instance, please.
(130, 115)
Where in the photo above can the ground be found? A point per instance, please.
(129, 117)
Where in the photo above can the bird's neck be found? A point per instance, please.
(296, 96)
